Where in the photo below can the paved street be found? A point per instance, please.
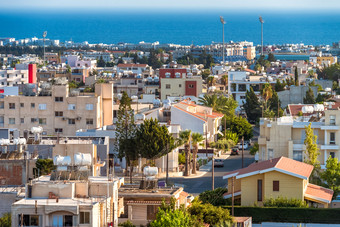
(203, 183)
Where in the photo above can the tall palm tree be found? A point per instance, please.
(267, 93)
(185, 138)
(210, 81)
(209, 100)
(224, 80)
(196, 139)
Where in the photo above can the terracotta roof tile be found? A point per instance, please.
(283, 164)
(319, 193)
(143, 202)
(193, 114)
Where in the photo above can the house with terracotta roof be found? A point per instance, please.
(196, 118)
(285, 136)
(278, 177)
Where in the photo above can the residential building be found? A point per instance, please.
(196, 118)
(141, 205)
(90, 201)
(274, 178)
(57, 110)
(136, 69)
(177, 82)
(15, 77)
(323, 59)
(285, 136)
(94, 55)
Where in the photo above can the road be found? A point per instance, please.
(197, 185)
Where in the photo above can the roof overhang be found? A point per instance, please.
(227, 196)
(317, 199)
(269, 170)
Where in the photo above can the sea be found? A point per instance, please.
(184, 27)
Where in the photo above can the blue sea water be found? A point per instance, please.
(194, 27)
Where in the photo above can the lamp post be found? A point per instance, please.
(223, 23)
(261, 21)
(44, 36)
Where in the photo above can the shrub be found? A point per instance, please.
(128, 223)
(284, 202)
(181, 158)
(215, 197)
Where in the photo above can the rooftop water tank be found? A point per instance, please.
(150, 171)
(81, 159)
(35, 130)
(59, 160)
(4, 142)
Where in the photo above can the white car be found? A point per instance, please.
(245, 145)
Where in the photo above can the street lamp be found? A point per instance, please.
(223, 23)
(261, 21)
(44, 36)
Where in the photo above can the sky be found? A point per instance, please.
(271, 5)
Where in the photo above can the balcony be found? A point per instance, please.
(329, 147)
(330, 127)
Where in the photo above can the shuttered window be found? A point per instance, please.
(276, 185)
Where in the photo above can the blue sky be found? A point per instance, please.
(277, 5)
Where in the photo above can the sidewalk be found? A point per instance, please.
(205, 168)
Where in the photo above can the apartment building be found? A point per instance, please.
(14, 77)
(176, 82)
(90, 202)
(323, 59)
(285, 136)
(60, 111)
(136, 69)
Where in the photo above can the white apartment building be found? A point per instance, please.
(13, 77)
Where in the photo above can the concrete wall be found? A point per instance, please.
(7, 199)
(295, 95)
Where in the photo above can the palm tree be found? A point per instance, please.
(224, 80)
(219, 104)
(210, 81)
(196, 139)
(209, 100)
(267, 93)
(185, 138)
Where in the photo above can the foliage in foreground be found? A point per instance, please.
(5, 220)
(285, 202)
(128, 223)
(332, 175)
(45, 166)
(215, 197)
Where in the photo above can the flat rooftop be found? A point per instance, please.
(61, 202)
(134, 190)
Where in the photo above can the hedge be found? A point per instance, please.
(288, 214)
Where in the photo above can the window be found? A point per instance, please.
(297, 156)
(11, 106)
(42, 121)
(89, 121)
(11, 121)
(89, 106)
(58, 113)
(58, 130)
(2, 105)
(71, 121)
(22, 120)
(276, 186)
(191, 86)
(332, 138)
(32, 105)
(259, 190)
(84, 217)
(180, 85)
(22, 104)
(242, 97)
(270, 153)
(115, 113)
(332, 154)
(33, 120)
(42, 106)
(332, 119)
(58, 99)
(167, 86)
(71, 106)
(29, 220)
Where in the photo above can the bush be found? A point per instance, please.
(5, 220)
(181, 158)
(128, 223)
(215, 197)
(284, 202)
(288, 214)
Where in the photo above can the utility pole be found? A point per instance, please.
(213, 171)
(232, 196)
(261, 21)
(167, 165)
(44, 36)
(242, 150)
(223, 23)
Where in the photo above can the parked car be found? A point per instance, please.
(218, 163)
(245, 145)
(234, 151)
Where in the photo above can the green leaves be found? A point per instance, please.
(220, 103)
(45, 166)
(332, 175)
(312, 151)
(309, 98)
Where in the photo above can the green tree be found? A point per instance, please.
(196, 139)
(184, 139)
(5, 220)
(101, 62)
(332, 175)
(223, 144)
(254, 149)
(68, 69)
(210, 81)
(224, 80)
(275, 105)
(267, 93)
(154, 140)
(229, 135)
(171, 218)
(205, 74)
(219, 104)
(45, 166)
(309, 98)
(271, 57)
(279, 86)
(312, 152)
(240, 126)
(252, 106)
(214, 197)
(209, 214)
(126, 133)
(296, 75)
(128, 223)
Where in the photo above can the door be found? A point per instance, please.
(57, 220)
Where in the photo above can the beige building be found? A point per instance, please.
(59, 112)
(89, 203)
(182, 86)
(285, 136)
